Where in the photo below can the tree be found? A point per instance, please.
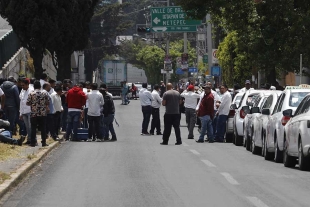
(107, 23)
(34, 23)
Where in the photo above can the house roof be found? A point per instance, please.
(4, 27)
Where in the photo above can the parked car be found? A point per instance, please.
(230, 128)
(255, 111)
(290, 98)
(246, 100)
(296, 142)
(260, 121)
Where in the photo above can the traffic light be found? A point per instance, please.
(144, 29)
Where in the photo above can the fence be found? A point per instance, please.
(9, 45)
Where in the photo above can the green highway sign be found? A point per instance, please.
(175, 29)
(171, 17)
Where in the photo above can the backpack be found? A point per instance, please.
(108, 106)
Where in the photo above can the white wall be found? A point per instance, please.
(135, 74)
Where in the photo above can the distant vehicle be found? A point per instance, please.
(290, 98)
(296, 143)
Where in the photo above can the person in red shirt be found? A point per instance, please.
(206, 114)
(75, 99)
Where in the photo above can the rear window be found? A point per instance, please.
(296, 98)
(237, 100)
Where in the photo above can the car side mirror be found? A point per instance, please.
(233, 106)
(266, 111)
(288, 113)
(246, 109)
(255, 110)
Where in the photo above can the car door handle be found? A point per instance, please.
(308, 124)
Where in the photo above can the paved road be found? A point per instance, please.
(137, 171)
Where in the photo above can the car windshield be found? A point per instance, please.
(296, 98)
(237, 100)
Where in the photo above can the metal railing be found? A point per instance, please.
(9, 45)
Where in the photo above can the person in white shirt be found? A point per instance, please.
(95, 101)
(53, 84)
(247, 87)
(156, 103)
(86, 90)
(56, 98)
(24, 109)
(191, 100)
(146, 99)
(43, 80)
(222, 113)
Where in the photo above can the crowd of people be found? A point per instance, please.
(51, 106)
(205, 108)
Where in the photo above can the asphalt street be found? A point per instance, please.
(138, 171)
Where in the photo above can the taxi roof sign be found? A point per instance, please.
(302, 86)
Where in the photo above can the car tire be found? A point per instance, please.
(278, 154)
(248, 143)
(267, 155)
(229, 137)
(303, 162)
(238, 139)
(288, 160)
(255, 150)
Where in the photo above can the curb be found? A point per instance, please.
(22, 171)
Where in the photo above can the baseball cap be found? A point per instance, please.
(247, 82)
(190, 88)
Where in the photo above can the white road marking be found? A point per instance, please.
(195, 152)
(229, 178)
(184, 144)
(256, 202)
(208, 163)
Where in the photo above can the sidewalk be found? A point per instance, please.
(26, 159)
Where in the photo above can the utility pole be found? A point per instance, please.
(167, 49)
(209, 41)
(185, 52)
(300, 69)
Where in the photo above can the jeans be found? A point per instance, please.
(94, 123)
(57, 118)
(147, 111)
(85, 122)
(50, 125)
(191, 121)
(64, 117)
(125, 99)
(11, 113)
(26, 118)
(155, 120)
(21, 124)
(6, 137)
(169, 121)
(206, 125)
(41, 120)
(73, 120)
(221, 127)
(108, 126)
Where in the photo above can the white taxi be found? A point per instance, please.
(259, 126)
(289, 99)
(246, 100)
(297, 136)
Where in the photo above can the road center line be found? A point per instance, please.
(184, 144)
(208, 163)
(229, 178)
(194, 152)
(256, 202)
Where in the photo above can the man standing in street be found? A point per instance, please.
(172, 117)
(162, 88)
(222, 113)
(75, 99)
(95, 101)
(146, 99)
(205, 114)
(156, 103)
(58, 109)
(25, 110)
(191, 100)
(38, 101)
(50, 128)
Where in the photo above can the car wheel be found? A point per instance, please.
(267, 155)
(255, 150)
(248, 143)
(278, 154)
(304, 162)
(238, 139)
(288, 160)
(229, 137)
